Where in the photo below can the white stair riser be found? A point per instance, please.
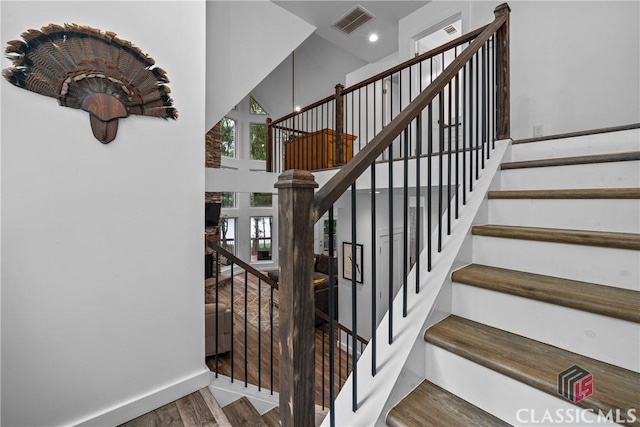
(508, 399)
(622, 216)
(604, 266)
(582, 332)
(613, 142)
(596, 175)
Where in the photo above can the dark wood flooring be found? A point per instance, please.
(189, 411)
(253, 366)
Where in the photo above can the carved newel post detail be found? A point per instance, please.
(296, 298)
(502, 74)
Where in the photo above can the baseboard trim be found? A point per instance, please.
(148, 402)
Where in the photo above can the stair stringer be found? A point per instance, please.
(401, 364)
(226, 391)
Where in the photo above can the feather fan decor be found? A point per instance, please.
(84, 68)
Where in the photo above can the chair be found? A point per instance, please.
(221, 324)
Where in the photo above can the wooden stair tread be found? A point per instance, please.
(431, 405)
(242, 413)
(576, 237)
(576, 160)
(214, 407)
(194, 411)
(606, 300)
(579, 133)
(272, 417)
(579, 193)
(536, 364)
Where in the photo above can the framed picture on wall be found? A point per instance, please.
(347, 264)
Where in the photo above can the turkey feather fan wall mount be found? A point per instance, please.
(84, 68)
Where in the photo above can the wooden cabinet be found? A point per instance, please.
(317, 150)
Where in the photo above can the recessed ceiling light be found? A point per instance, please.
(297, 108)
(373, 38)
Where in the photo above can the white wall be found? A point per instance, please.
(247, 40)
(574, 64)
(102, 268)
(319, 66)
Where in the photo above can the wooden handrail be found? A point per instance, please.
(228, 255)
(416, 60)
(341, 181)
(340, 326)
(307, 108)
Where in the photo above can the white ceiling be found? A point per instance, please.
(322, 14)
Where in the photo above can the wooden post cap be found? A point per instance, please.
(296, 178)
(502, 9)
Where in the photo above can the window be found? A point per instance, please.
(326, 235)
(261, 200)
(228, 200)
(261, 238)
(228, 136)
(255, 108)
(258, 136)
(228, 233)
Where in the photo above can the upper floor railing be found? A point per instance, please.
(329, 132)
(439, 132)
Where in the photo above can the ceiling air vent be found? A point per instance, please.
(450, 29)
(353, 19)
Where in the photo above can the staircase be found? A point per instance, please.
(200, 408)
(554, 283)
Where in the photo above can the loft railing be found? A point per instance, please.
(253, 351)
(329, 132)
(447, 130)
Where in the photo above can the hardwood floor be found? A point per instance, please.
(246, 364)
(189, 411)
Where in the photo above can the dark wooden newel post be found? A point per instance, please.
(296, 298)
(339, 159)
(502, 75)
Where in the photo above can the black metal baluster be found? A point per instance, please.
(457, 137)
(471, 124)
(493, 90)
(374, 292)
(271, 331)
(418, 196)
(324, 368)
(332, 316)
(477, 120)
(487, 113)
(354, 306)
(449, 164)
(464, 135)
(429, 173)
(233, 341)
(246, 324)
(440, 164)
(259, 334)
(484, 101)
(405, 221)
(217, 303)
(390, 284)
(410, 99)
